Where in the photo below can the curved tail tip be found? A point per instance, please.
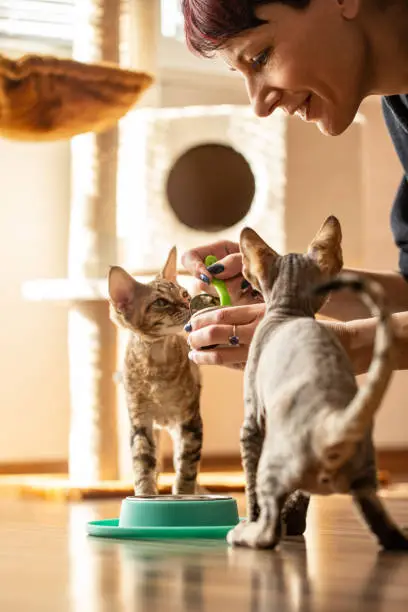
(355, 284)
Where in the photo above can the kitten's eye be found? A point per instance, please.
(186, 295)
(161, 303)
(261, 59)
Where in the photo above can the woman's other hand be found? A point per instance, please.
(216, 327)
(227, 268)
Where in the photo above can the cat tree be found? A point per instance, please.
(97, 450)
(92, 340)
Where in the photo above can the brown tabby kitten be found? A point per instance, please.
(307, 425)
(162, 385)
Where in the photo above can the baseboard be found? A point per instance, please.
(45, 466)
(392, 460)
(211, 463)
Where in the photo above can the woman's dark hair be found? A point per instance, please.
(208, 24)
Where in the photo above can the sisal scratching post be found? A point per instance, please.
(141, 32)
(93, 455)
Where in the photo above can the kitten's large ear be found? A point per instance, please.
(169, 271)
(325, 248)
(124, 290)
(257, 257)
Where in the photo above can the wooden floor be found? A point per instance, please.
(48, 564)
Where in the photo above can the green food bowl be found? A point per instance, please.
(170, 517)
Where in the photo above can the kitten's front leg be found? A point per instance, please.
(381, 524)
(143, 457)
(275, 480)
(252, 438)
(265, 532)
(188, 441)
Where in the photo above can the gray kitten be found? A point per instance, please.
(307, 427)
(162, 385)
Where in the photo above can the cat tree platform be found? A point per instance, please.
(69, 291)
(61, 488)
(52, 487)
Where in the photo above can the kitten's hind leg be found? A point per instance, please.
(252, 438)
(294, 514)
(381, 524)
(143, 458)
(157, 438)
(188, 441)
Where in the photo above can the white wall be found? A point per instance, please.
(33, 358)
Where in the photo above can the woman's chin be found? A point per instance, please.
(334, 124)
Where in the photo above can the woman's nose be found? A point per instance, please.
(263, 101)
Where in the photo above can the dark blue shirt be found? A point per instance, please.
(395, 109)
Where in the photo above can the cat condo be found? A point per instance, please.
(189, 176)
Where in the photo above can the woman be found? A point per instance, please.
(317, 59)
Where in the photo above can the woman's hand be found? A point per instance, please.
(216, 327)
(228, 268)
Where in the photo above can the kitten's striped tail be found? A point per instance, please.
(358, 416)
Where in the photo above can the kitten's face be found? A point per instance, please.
(158, 308)
(287, 280)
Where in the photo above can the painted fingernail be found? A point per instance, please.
(188, 328)
(216, 268)
(245, 284)
(205, 278)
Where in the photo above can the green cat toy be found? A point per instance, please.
(205, 300)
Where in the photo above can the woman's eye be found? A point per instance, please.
(161, 303)
(261, 59)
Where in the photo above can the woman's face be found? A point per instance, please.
(310, 62)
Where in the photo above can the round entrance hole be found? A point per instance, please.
(210, 187)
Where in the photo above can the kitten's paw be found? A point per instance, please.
(146, 490)
(396, 540)
(185, 488)
(199, 490)
(253, 535)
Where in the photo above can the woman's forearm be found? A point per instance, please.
(361, 342)
(347, 306)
